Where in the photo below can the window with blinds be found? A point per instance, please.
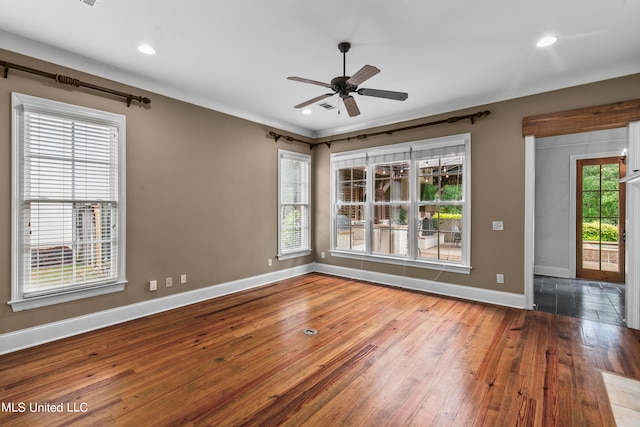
(68, 219)
(404, 203)
(294, 187)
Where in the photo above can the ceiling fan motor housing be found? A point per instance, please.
(344, 47)
(340, 86)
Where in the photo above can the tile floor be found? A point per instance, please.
(585, 299)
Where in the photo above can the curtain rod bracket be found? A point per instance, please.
(274, 135)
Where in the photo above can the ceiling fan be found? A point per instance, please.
(346, 85)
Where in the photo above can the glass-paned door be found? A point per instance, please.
(600, 210)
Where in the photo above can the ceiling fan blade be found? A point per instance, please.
(351, 106)
(314, 100)
(313, 82)
(363, 74)
(388, 94)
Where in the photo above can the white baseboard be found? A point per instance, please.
(41, 334)
(552, 271)
(447, 289)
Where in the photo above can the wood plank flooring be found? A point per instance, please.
(382, 357)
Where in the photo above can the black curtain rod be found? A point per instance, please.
(72, 82)
(454, 119)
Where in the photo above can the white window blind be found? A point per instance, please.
(68, 168)
(294, 196)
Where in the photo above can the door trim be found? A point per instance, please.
(632, 295)
(529, 218)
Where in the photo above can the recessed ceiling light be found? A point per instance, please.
(306, 111)
(146, 49)
(546, 41)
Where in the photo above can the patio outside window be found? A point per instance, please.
(407, 203)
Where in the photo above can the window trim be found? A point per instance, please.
(362, 156)
(18, 300)
(305, 158)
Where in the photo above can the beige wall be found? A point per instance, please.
(201, 194)
(202, 190)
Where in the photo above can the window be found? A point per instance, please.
(407, 203)
(294, 172)
(68, 228)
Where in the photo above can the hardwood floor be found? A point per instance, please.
(381, 357)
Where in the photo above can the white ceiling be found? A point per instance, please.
(235, 56)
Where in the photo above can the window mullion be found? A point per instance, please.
(74, 211)
(413, 208)
(370, 208)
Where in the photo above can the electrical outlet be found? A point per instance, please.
(183, 278)
(269, 262)
(499, 278)
(153, 285)
(169, 282)
(322, 255)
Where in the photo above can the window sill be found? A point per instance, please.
(432, 265)
(72, 295)
(282, 257)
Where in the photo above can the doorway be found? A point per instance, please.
(566, 122)
(591, 163)
(600, 219)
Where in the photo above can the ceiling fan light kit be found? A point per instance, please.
(345, 85)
